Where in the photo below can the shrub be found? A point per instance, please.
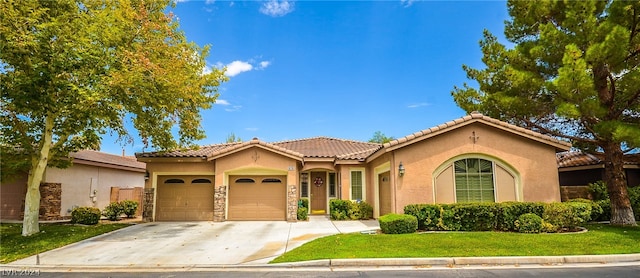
(113, 211)
(398, 223)
(345, 210)
(598, 191)
(508, 213)
(476, 216)
(566, 215)
(427, 215)
(596, 210)
(302, 213)
(85, 215)
(605, 205)
(129, 207)
(634, 197)
(529, 223)
(303, 203)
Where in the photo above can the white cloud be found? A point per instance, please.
(277, 8)
(407, 3)
(416, 105)
(236, 67)
(222, 102)
(263, 64)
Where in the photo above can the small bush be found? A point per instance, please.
(634, 197)
(349, 210)
(303, 213)
(605, 205)
(113, 211)
(566, 215)
(303, 203)
(508, 213)
(427, 215)
(85, 215)
(598, 191)
(529, 223)
(596, 210)
(398, 223)
(129, 207)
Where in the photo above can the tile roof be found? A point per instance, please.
(475, 117)
(199, 152)
(578, 158)
(105, 158)
(325, 147)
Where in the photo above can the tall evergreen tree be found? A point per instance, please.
(573, 73)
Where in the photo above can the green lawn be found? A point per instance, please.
(13, 246)
(600, 239)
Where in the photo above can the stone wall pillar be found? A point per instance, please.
(147, 207)
(50, 201)
(292, 203)
(219, 203)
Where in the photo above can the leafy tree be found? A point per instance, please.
(232, 138)
(573, 73)
(72, 70)
(380, 138)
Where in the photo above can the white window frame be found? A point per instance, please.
(364, 183)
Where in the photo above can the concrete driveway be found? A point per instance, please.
(195, 243)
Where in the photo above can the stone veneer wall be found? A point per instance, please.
(219, 203)
(574, 192)
(292, 203)
(50, 201)
(147, 207)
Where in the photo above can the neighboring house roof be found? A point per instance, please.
(341, 149)
(573, 159)
(96, 158)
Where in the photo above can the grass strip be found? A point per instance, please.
(13, 246)
(599, 240)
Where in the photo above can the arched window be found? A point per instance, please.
(474, 180)
(174, 181)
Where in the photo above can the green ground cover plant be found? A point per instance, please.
(599, 240)
(14, 246)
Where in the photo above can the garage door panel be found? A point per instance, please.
(184, 201)
(259, 200)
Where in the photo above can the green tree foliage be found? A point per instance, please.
(573, 73)
(72, 70)
(232, 138)
(380, 138)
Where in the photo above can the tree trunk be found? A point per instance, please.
(621, 211)
(38, 166)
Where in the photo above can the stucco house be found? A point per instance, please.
(473, 158)
(94, 180)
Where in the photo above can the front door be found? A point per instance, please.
(384, 186)
(318, 184)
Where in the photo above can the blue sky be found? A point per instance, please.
(302, 69)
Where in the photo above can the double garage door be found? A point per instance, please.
(190, 198)
(257, 198)
(185, 198)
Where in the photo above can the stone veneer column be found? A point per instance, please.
(147, 208)
(292, 203)
(219, 203)
(50, 201)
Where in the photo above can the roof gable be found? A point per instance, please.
(475, 118)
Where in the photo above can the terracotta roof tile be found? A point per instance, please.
(330, 147)
(202, 152)
(578, 158)
(475, 116)
(112, 159)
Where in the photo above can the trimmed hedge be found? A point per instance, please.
(398, 223)
(529, 223)
(349, 210)
(496, 216)
(85, 215)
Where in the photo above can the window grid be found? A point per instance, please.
(356, 185)
(474, 180)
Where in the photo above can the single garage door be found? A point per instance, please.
(185, 198)
(257, 198)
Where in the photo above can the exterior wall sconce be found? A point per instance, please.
(401, 169)
(146, 175)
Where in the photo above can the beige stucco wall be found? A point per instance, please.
(534, 162)
(256, 161)
(176, 167)
(79, 181)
